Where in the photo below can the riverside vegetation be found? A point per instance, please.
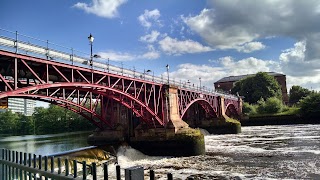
(53, 119)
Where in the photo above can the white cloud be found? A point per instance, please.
(121, 56)
(250, 47)
(150, 38)
(227, 66)
(117, 56)
(102, 8)
(293, 61)
(229, 24)
(151, 54)
(176, 47)
(148, 17)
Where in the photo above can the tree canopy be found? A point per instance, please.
(54, 119)
(256, 87)
(310, 106)
(297, 93)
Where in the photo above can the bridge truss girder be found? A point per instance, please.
(73, 87)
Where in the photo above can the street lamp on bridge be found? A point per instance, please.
(91, 38)
(200, 83)
(145, 72)
(167, 66)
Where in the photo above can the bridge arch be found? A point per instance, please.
(209, 109)
(231, 111)
(97, 89)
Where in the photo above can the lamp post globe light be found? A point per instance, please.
(200, 83)
(91, 38)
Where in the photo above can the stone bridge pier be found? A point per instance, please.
(179, 137)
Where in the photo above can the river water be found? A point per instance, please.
(260, 152)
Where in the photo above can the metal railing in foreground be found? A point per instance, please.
(27, 166)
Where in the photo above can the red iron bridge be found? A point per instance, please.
(111, 97)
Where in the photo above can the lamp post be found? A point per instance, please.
(91, 38)
(167, 66)
(200, 82)
(145, 72)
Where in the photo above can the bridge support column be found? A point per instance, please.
(175, 121)
(176, 139)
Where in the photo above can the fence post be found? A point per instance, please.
(13, 160)
(9, 172)
(2, 165)
(17, 161)
(25, 164)
(105, 171)
(75, 169)
(29, 164)
(84, 169)
(52, 163)
(46, 165)
(66, 165)
(151, 174)
(21, 159)
(59, 165)
(118, 172)
(94, 171)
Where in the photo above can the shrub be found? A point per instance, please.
(310, 105)
(248, 108)
(271, 105)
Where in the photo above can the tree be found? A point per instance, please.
(297, 93)
(310, 106)
(261, 85)
(8, 121)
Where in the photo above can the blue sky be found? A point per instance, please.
(210, 39)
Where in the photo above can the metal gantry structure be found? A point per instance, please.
(29, 70)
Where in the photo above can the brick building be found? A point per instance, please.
(227, 83)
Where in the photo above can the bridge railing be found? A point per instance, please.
(23, 44)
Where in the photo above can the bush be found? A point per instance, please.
(310, 106)
(248, 108)
(271, 105)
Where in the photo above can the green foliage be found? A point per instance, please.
(54, 119)
(14, 123)
(310, 106)
(249, 109)
(297, 93)
(271, 105)
(261, 85)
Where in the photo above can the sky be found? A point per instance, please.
(207, 39)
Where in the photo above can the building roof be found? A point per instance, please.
(237, 78)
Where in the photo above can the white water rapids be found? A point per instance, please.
(261, 152)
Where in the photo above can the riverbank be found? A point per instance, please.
(277, 120)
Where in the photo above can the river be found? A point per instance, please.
(259, 152)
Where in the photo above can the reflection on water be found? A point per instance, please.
(45, 144)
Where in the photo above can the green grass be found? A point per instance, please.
(288, 111)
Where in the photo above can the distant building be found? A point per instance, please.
(22, 106)
(227, 83)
